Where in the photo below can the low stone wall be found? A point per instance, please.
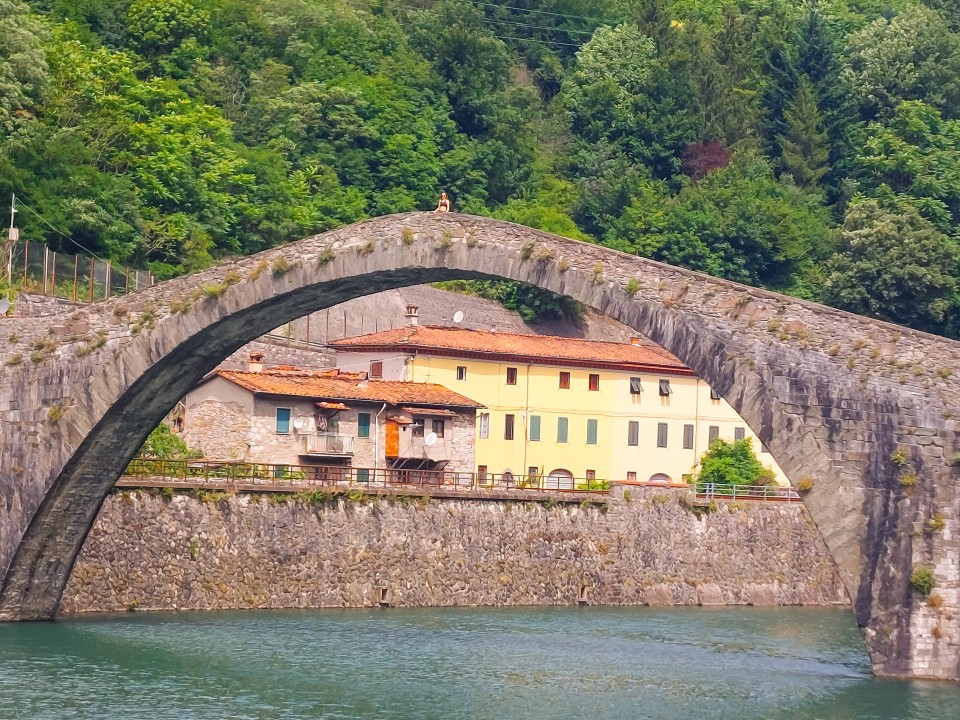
(256, 551)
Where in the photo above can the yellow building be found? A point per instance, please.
(562, 409)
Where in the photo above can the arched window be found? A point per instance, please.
(661, 478)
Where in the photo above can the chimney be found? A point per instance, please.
(634, 341)
(256, 362)
(412, 315)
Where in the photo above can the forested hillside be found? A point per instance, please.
(810, 146)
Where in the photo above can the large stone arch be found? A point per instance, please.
(863, 410)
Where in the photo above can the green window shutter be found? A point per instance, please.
(591, 432)
(633, 433)
(363, 425)
(561, 430)
(534, 428)
(283, 420)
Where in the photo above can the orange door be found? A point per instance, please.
(393, 439)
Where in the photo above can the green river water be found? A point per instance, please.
(590, 662)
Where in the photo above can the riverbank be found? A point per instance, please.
(197, 551)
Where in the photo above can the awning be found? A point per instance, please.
(439, 412)
(331, 406)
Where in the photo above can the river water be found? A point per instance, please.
(598, 663)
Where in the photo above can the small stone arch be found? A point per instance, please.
(660, 479)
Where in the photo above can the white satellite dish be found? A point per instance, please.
(5, 305)
(430, 439)
(298, 424)
(458, 317)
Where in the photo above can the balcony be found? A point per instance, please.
(328, 444)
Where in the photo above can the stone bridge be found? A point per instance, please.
(860, 414)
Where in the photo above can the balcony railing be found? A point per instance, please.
(329, 444)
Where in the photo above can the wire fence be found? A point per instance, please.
(37, 269)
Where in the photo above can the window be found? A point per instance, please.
(564, 380)
(417, 428)
(661, 435)
(714, 395)
(511, 376)
(363, 475)
(534, 428)
(594, 382)
(633, 433)
(631, 476)
(481, 473)
(712, 434)
(688, 437)
(635, 388)
(665, 388)
(484, 426)
(283, 421)
(591, 474)
(739, 433)
(461, 372)
(591, 432)
(437, 427)
(508, 427)
(533, 473)
(376, 369)
(561, 429)
(363, 425)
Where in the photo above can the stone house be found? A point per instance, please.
(329, 419)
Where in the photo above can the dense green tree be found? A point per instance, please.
(916, 156)
(803, 149)
(738, 222)
(23, 67)
(894, 265)
(912, 56)
(620, 94)
(735, 463)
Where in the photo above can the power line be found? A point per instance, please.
(541, 12)
(21, 203)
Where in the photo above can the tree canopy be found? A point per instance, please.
(777, 143)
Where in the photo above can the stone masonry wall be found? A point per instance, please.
(158, 553)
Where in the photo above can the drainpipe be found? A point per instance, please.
(526, 423)
(376, 441)
(696, 428)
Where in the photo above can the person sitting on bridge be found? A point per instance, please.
(444, 204)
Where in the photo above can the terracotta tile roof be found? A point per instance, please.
(460, 341)
(329, 385)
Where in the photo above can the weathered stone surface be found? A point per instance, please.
(150, 552)
(808, 380)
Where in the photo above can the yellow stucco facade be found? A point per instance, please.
(612, 432)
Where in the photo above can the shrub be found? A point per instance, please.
(631, 287)
(280, 265)
(594, 485)
(805, 485)
(923, 580)
(163, 444)
(898, 457)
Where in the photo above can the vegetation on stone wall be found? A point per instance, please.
(163, 444)
(780, 143)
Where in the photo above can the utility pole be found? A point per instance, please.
(13, 234)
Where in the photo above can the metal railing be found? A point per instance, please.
(37, 269)
(711, 491)
(265, 476)
(324, 443)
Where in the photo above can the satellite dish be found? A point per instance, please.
(298, 424)
(458, 317)
(430, 439)
(5, 305)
